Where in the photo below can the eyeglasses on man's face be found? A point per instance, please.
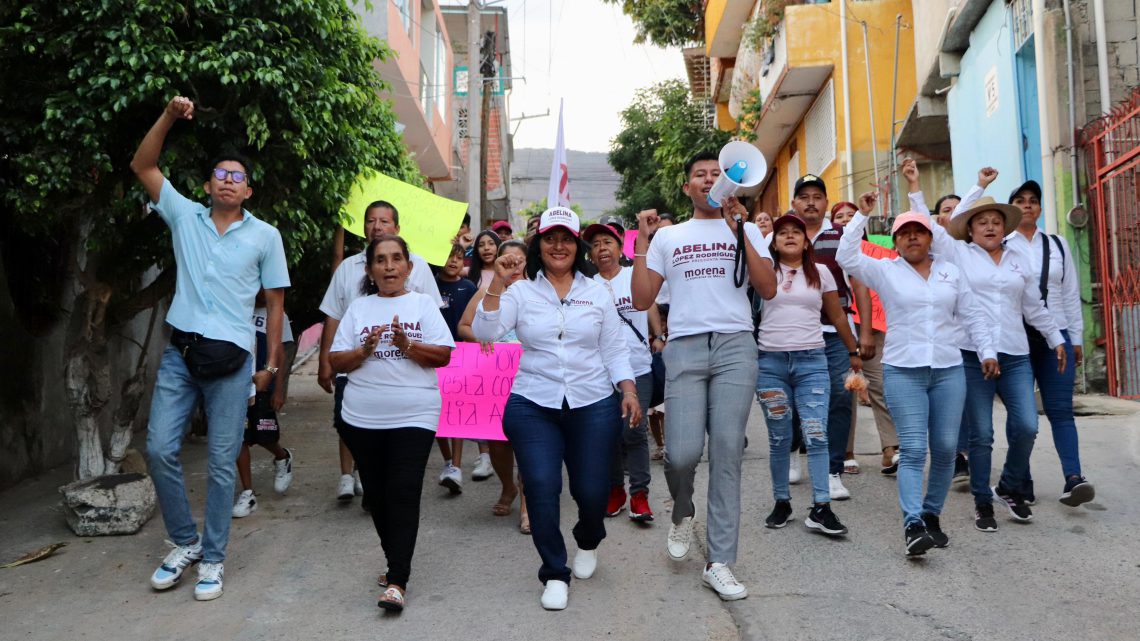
(222, 174)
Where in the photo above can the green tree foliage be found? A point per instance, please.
(661, 129)
(288, 82)
(665, 23)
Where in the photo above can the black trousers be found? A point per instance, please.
(391, 465)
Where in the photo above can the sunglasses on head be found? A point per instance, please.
(222, 174)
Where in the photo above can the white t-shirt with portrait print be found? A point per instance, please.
(389, 390)
(790, 321)
(696, 259)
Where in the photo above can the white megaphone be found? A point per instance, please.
(741, 166)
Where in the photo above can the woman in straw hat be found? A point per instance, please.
(1009, 291)
(927, 301)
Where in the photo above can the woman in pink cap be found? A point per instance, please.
(928, 302)
(563, 408)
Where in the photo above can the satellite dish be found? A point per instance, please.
(1078, 217)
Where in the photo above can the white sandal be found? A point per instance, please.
(392, 599)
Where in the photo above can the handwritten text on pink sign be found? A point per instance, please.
(474, 388)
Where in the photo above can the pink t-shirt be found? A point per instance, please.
(485, 278)
(790, 321)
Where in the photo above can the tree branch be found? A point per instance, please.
(145, 298)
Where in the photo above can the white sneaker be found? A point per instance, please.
(209, 586)
(170, 572)
(483, 469)
(718, 577)
(795, 475)
(837, 489)
(283, 476)
(585, 562)
(452, 478)
(344, 489)
(555, 595)
(245, 504)
(680, 537)
(357, 488)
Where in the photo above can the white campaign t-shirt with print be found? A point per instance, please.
(696, 260)
(389, 390)
(620, 288)
(790, 321)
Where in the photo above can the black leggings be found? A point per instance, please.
(391, 464)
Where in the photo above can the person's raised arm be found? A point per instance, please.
(645, 282)
(850, 254)
(497, 313)
(145, 161)
(986, 176)
(913, 188)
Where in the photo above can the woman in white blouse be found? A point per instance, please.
(1001, 276)
(562, 407)
(925, 298)
(389, 342)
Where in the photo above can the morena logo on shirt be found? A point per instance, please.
(573, 302)
(943, 277)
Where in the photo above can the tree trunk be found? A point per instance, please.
(87, 376)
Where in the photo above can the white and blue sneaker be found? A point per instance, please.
(209, 584)
(170, 572)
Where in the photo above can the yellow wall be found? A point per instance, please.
(831, 175)
(724, 120)
(813, 33)
(714, 11)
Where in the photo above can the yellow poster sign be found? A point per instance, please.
(428, 222)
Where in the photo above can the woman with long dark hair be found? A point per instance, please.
(562, 407)
(483, 253)
(389, 342)
(793, 374)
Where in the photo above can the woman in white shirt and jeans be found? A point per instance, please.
(389, 342)
(793, 373)
(562, 407)
(927, 301)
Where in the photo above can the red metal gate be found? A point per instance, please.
(1112, 150)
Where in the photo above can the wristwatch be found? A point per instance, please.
(272, 370)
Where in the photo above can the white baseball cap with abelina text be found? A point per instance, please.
(559, 217)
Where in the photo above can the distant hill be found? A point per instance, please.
(593, 182)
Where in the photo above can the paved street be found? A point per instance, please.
(303, 567)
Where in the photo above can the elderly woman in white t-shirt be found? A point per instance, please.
(389, 342)
(793, 373)
(928, 303)
(562, 408)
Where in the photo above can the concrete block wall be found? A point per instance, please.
(1123, 51)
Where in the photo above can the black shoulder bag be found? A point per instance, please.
(208, 358)
(1035, 337)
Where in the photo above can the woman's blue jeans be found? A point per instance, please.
(798, 381)
(1015, 387)
(543, 439)
(926, 404)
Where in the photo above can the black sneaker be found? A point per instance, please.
(1077, 490)
(1030, 497)
(961, 469)
(823, 520)
(984, 520)
(935, 530)
(1018, 509)
(779, 516)
(918, 540)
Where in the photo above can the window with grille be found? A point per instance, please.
(819, 131)
(1021, 12)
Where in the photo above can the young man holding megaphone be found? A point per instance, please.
(710, 359)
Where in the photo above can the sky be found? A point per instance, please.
(581, 51)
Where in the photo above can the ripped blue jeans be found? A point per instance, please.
(799, 380)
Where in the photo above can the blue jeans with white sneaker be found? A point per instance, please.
(176, 393)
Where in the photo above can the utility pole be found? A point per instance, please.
(474, 83)
(487, 71)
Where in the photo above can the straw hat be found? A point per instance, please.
(960, 225)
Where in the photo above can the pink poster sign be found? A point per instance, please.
(629, 242)
(474, 387)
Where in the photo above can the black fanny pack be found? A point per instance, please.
(208, 357)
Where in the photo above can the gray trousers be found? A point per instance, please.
(710, 380)
(632, 452)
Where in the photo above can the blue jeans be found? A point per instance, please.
(1057, 397)
(926, 404)
(1015, 387)
(176, 393)
(585, 439)
(801, 376)
(839, 408)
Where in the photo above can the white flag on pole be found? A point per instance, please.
(558, 193)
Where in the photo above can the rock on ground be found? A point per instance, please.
(111, 504)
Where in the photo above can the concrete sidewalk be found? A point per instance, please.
(303, 566)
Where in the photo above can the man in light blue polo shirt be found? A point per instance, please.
(224, 256)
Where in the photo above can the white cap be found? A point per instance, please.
(559, 217)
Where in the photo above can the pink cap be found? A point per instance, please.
(911, 217)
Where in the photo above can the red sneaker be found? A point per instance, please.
(639, 507)
(617, 501)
